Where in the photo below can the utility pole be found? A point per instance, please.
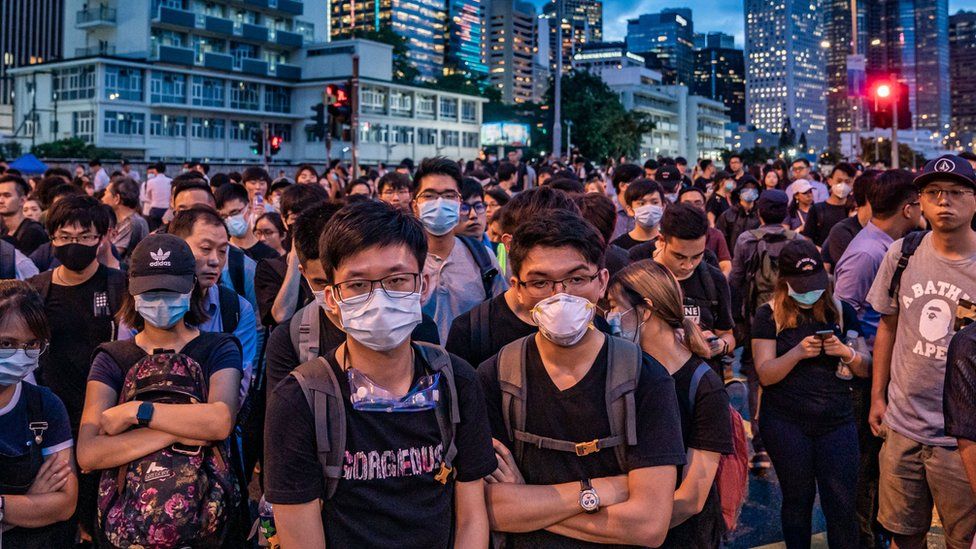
(894, 123)
(557, 109)
(354, 116)
(857, 106)
(569, 140)
(265, 136)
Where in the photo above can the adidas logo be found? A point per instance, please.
(160, 259)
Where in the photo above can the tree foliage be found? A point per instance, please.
(755, 155)
(10, 150)
(873, 151)
(72, 147)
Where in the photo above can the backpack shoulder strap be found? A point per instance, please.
(448, 411)
(235, 266)
(708, 283)
(480, 254)
(303, 328)
(623, 371)
(42, 283)
(790, 234)
(125, 353)
(480, 329)
(511, 380)
(696, 378)
(116, 289)
(36, 421)
(909, 244)
(8, 260)
(230, 309)
(321, 389)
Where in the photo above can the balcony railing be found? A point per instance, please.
(91, 51)
(95, 17)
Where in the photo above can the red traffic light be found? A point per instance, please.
(884, 90)
(276, 141)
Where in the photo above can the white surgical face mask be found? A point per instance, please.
(841, 190)
(236, 225)
(563, 319)
(380, 321)
(16, 368)
(648, 215)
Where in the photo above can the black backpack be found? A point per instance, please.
(909, 244)
(762, 269)
(230, 309)
(8, 261)
(235, 268)
(480, 254)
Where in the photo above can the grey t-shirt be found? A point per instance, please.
(931, 287)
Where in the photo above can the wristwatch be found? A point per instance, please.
(589, 500)
(144, 414)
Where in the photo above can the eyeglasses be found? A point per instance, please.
(395, 285)
(433, 195)
(951, 194)
(391, 193)
(265, 232)
(32, 349)
(86, 239)
(545, 288)
(479, 208)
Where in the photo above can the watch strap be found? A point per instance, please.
(144, 414)
(585, 484)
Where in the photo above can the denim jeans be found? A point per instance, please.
(806, 464)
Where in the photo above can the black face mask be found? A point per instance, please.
(76, 256)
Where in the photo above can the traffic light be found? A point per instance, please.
(885, 94)
(274, 145)
(257, 142)
(340, 107)
(318, 120)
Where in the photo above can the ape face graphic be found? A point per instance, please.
(935, 320)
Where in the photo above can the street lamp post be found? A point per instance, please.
(569, 140)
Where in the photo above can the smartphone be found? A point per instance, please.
(824, 335)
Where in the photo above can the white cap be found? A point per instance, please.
(801, 186)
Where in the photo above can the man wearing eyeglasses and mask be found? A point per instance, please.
(412, 478)
(586, 425)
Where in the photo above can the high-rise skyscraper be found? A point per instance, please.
(583, 25)
(511, 51)
(670, 37)
(465, 38)
(784, 68)
(720, 74)
(910, 40)
(838, 46)
(30, 32)
(962, 59)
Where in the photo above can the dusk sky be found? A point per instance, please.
(723, 15)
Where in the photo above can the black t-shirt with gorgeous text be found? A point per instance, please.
(388, 496)
(579, 414)
(698, 306)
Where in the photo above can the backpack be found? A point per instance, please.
(909, 244)
(230, 309)
(8, 261)
(175, 496)
(480, 254)
(481, 329)
(732, 477)
(762, 269)
(304, 329)
(626, 360)
(235, 268)
(324, 396)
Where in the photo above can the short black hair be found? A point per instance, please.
(643, 186)
(501, 197)
(309, 168)
(506, 170)
(367, 224)
(252, 173)
(191, 185)
(81, 209)
(281, 184)
(735, 155)
(532, 204)
(599, 210)
(844, 167)
(864, 186)
(395, 180)
(184, 221)
(127, 190)
(437, 165)
(219, 180)
(296, 198)
(651, 164)
(94, 162)
(470, 188)
(189, 176)
(59, 171)
(62, 190)
(568, 184)
(229, 192)
(680, 161)
(684, 222)
(557, 229)
(704, 163)
(307, 229)
(891, 191)
(626, 173)
(23, 189)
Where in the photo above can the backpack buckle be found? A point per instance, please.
(587, 448)
(444, 474)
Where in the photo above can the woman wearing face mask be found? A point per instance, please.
(718, 201)
(800, 204)
(38, 482)
(158, 303)
(804, 343)
(742, 216)
(646, 302)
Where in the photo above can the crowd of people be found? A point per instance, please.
(485, 353)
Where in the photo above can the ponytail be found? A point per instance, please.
(693, 339)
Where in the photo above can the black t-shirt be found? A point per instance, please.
(388, 496)
(281, 356)
(80, 320)
(698, 307)
(28, 236)
(579, 413)
(840, 238)
(821, 218)
(269, 276)
(260, 251)
(626, 242)
(644, 250)
(616, 259)
(504, 327)
(959, 402)
(707, 427)
(716, 205)
(702, 183)
(811, 395)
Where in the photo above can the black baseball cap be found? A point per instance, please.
(947, 167)
(801, 266)
(772, 200)
(668, 176)
(162, 262)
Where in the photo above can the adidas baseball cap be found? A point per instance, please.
(162, 262)
(949, 168)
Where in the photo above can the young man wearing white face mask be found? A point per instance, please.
(571, 468)
(458, 267)
(234, 208)
(644, 200)
(388, 488)
(824, 215)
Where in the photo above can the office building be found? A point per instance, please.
(511, 28)
(962, 60)
(583, 24)
(838, 45)
(465, 38)
(720, 74)
(714, 40)
(670, 37)
(909, 39)
(784, 68)
(30, 32)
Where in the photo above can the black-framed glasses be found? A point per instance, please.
(389, 193)
(951, 194)
(32, 349)
(479, 208)
(86, 239)
(545, 287)
(434, 195)
(395, 285)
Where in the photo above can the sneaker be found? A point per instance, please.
(760, 461)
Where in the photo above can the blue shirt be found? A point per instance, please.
(855, 272)
(15, 435)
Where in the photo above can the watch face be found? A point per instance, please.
(589, 501)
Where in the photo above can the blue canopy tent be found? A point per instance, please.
(28, 165)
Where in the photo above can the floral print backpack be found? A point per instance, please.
(179, 496)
